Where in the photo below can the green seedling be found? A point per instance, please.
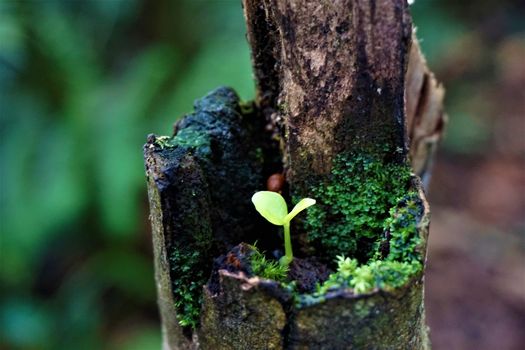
(272, 206)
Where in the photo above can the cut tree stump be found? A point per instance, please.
(335, 79)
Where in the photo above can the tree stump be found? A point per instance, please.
(331, 117)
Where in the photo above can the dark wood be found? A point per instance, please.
(331, 78)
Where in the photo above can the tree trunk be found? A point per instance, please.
(337, 81)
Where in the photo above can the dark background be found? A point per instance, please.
(83, 82)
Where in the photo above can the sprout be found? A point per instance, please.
(272, 207)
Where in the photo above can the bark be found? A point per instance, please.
(425, 116)
(334, 78)
(198, 185)
(329, 73)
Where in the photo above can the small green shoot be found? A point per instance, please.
(272, 206)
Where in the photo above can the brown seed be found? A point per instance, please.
(275, 182)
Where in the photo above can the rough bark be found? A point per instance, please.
(336, 78)
(329, 73)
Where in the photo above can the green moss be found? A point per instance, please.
(353, 204)
(382, 274)
(188, 286)
(191, 137)
(367, 215)
(404, 258)
(405, 244)
(269, 269)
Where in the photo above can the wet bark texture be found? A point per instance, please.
(338, 85)
(333, 77)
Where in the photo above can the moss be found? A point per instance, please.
(265, 268)
(367, 216)
(405, 244)
(382, 274)
(191, 137)
(353, 204)
(187, 284)
(403, 260)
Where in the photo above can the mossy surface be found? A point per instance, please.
(267, 268)
(214, 163)
(187, 285)
(366, 220)
(352, 205)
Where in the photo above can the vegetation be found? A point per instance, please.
(401, 263)
(272, 206)
(381, 274)
(353, 205)
(366, 205)
(265, 268)
(187, 285)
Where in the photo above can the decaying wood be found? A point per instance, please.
(333, 77)
(197, 188)
(250, 313)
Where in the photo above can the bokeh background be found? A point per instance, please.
(83, 82)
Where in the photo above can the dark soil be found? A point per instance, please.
(307, 273)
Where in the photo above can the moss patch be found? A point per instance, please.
(187, 286)
(265, 268)
(404, 244)
(366, 221)
(403, 258)
(353, 204)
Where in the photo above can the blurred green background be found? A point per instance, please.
(83, 82)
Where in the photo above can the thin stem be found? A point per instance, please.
(287, 243)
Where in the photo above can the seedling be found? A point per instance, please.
(272, 206)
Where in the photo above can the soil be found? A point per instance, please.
(307, 273)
